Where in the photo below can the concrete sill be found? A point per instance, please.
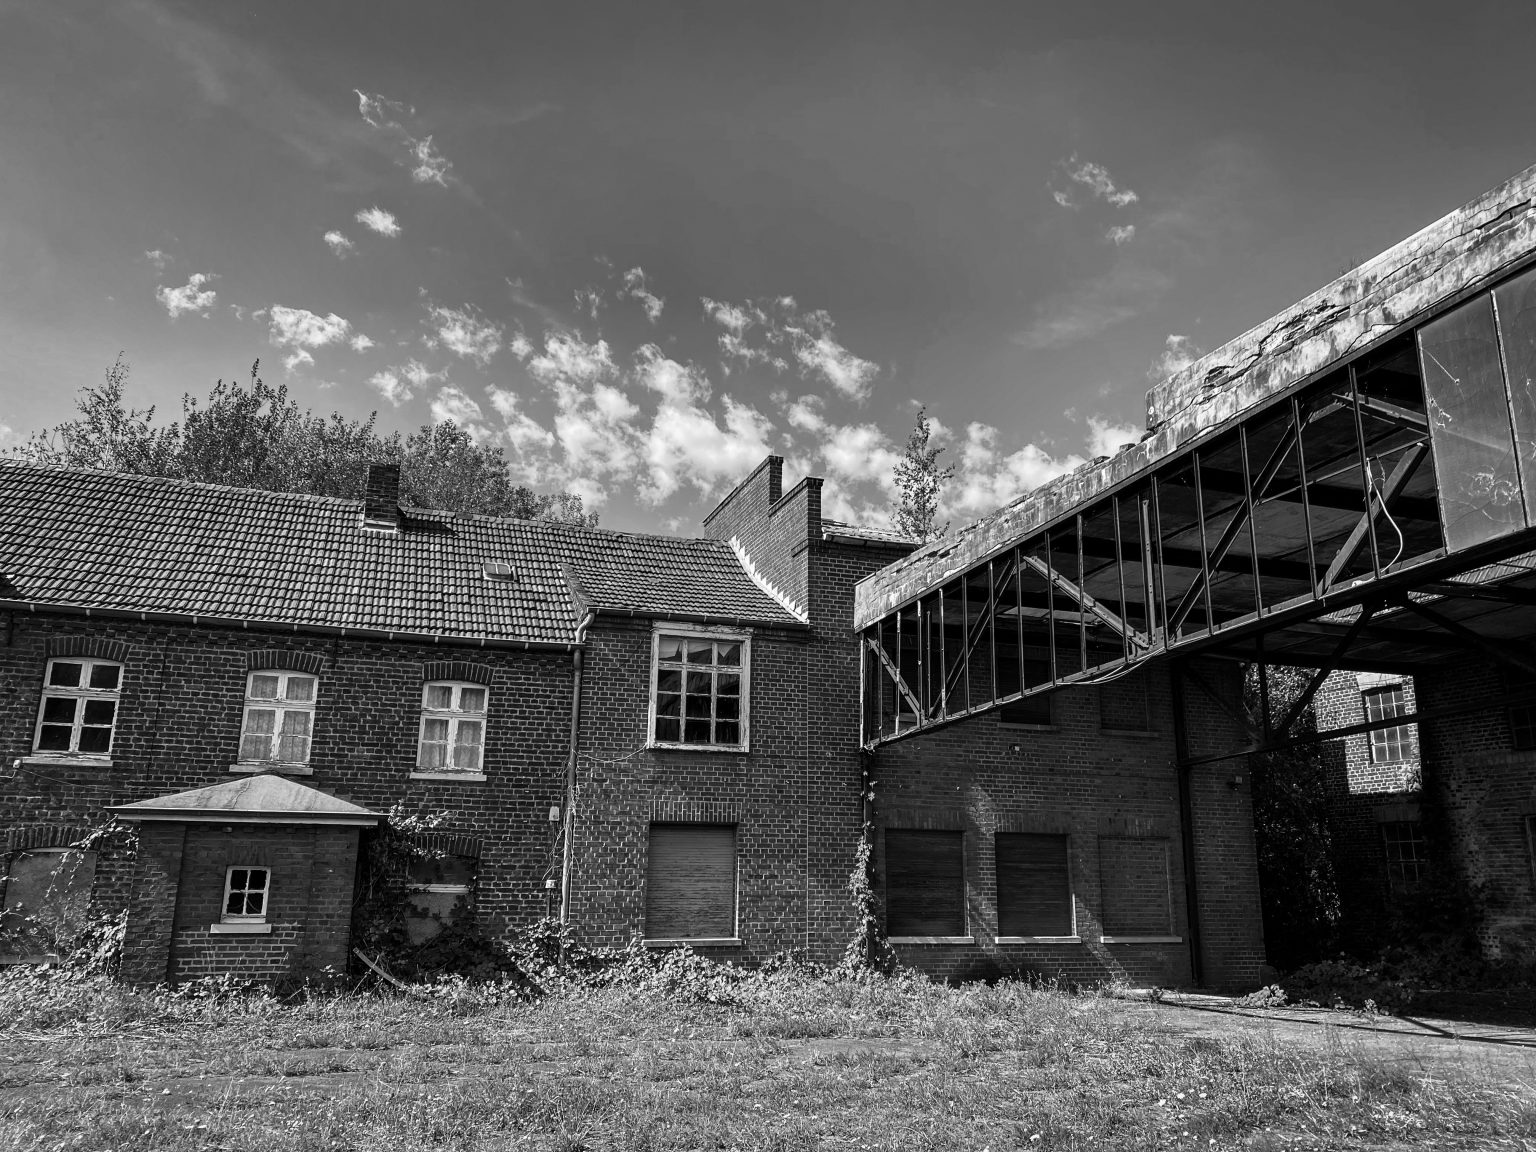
(465, 777)
(1038, 940)
(253, 766)
(1029, 727)
(932, 939)
(239, 929)
(1144, 733)
(1141, 939)
(66, 760)
(730, 749)
(695, 942)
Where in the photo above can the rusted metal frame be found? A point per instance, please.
(1476, 640)
(1229, 533)
(1125, 641)
(1365, 473)
(1391, 413)
(1186, 823)
(972, 637)
(901, 612)
(1055, 581)
(1205, 570)
(1082, 589)
(1523, 475)
(943, 657)
(1147, 511)
(967, 644)
(991, 614)
(1395, 483)
(922, 663)
(1453, 590)
(1050, 601)
(1239, 715)
(1322, 673)
(863, 696)
(1250, 513)
(1263, 669)
(1306, 500)
(1018, 603)
(896, 678)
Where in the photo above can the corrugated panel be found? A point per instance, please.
(690, 882)
(1034, 893)
(924, 883)
(1133, 879)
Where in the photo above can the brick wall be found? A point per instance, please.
(1097, 787)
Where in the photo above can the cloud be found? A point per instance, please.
(779, 326)
(158, 258)
(360, 343)
(736, 318)
(1062, 198)
(9, 437)
(339, 244)
(686, 445)
(300, 330)
(807, 414)
(568, 358)
(389, 385)
(418, 153)
(821, 355)
(987, 478)
(452, 403)
(465, 333)
(382, 222)
(523, 432)
(680, 384)
(856, 453)
(520, 346)
(1122, 292)
(1105, 436)
(1178, 353)
(1096, 178)
(1121, 234)
(190, 297)
(635, 288)
(589, 300)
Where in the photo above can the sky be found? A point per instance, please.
(640, 247)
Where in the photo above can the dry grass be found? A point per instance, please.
(789, 1061)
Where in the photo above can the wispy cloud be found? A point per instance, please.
(1106, 437)
(464, 332)
(1121, 234)
(380, 221)
(778, 332)
(158, 258)
(452, 403)
(389, 385)
(190, 297)
(418, 153)
(360, 343)
(1107, 300)
(1098, 182)
(300, 331)
(338, 243)
(1178, 353)
(635, 288)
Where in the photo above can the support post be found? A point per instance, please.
(1186, 821)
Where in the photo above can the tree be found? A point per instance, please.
(920, 480)
(255, 436)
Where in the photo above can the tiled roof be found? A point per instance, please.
(145, 544)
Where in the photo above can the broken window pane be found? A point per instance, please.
(1517, 328)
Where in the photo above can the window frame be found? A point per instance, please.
(1072, 936)
(733, 939)
(1403, 737)
(455, 716)
(82, 694)
(744, 672)
(1396, 863)
(1521, 717)
(280, 705)
(246, 918)
(466, 890)
(961, 842)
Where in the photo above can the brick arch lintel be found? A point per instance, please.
(284, 658)
(455, 670)
(34, 836)
(97, 646)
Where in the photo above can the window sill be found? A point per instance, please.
(1029, 727)
(254, 766)
(466, 777)
(239, 929)
(737, 749)
(932, 939)
(67, 760)
(1141, 939)
(1144, 733)
(694, 942)
(1038, 939)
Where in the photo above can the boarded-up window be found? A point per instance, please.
(47, 901)
(1034, 894)
(440, 890)
(690, 882)
(1123, 704)
(924, 883)
(1133, 881)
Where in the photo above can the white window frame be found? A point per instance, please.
(82, 694)
(237, 923)
(1403, 736)
(744, 671)
(465, 890)
(281, 706)
(455, 715)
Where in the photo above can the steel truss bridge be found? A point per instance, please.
(1352, 485)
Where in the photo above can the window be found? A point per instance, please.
(690, 882)
(1522, 716)
(1034, 895)
(700, 690)
(1134, 887)
(1389, 745)
(245, 895)
(1407, 855)
(79, 707)
(47, 901)
(924, 883)
(452, 727)
(279, 717)
(440, 889)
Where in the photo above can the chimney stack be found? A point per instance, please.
(381, 502)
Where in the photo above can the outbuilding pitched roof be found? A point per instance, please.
(138, 544)
(263, 799)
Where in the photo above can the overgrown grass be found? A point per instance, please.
(683, 1055)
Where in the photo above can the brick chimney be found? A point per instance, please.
(381, 501)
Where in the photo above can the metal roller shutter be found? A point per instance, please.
(1034, 896)
(690, 882)
(924, 883)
